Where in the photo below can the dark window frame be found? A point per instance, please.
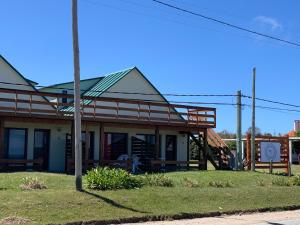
(7, 135)
(121, 133)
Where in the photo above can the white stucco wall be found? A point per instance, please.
(9, 77)
(58, 135)
(133, 82)
(57, 141)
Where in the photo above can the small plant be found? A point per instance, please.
(30, 183)
(111, 179)
(281, 181)
(261, 183)
(296, 180)
(220, 184)
(158, 179)
(190, 183)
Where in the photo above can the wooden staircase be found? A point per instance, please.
(218, 153)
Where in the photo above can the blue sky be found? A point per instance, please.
(179, 53)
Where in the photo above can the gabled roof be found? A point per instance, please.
(29, 82)
(107, 82)
(88, 83)
(101, 86)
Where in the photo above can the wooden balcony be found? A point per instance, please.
(22, 103)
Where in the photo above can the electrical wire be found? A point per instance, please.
(227, 23)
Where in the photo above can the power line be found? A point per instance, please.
(227, 23)
(271, 101)
(179, 95)
(122, 92)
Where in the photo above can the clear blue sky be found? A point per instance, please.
(177, 52)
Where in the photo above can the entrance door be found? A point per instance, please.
(41, 146)
(171, 148)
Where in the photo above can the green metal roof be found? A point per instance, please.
(106, 83)
(101, 86)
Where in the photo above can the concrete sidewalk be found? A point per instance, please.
(278, 218)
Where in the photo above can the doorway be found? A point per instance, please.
(41, 146)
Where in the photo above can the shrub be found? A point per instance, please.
(220, 184)
(111, 179)
(190, 183)
(281, 181)
(296, 180)
(30, 183)
(158, 179)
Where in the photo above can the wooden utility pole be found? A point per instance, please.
(238, 157)
(253, 123)
(77, 116)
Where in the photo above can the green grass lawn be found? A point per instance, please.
(60, 203)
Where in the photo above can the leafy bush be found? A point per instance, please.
(190, 183)
(281, 181)
(296, 180)
(220, 184)
(158, 179)
(111, 179)
(30, 183)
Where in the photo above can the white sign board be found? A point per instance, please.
(270, 151)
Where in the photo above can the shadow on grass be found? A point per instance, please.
(111, 202)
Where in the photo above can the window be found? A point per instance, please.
(64, 100)
(15, 143)
(115, 144)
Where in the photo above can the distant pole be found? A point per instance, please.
(253, 123)
(77, 119)
(238, 157)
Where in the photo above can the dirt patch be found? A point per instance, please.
(14, 220)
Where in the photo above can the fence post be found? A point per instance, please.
(289, 169)
(271, 167)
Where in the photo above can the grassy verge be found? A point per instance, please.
(59, 203)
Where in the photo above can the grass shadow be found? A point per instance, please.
(112, 202)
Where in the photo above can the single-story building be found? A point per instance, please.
(123, 117)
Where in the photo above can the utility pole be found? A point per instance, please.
(253, 123)
(238, 157)
(77, 117)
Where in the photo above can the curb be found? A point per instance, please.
(180, 216)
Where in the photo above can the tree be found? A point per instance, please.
(225, 134)
(257, 131)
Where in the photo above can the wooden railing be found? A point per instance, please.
(6, 164)
(44, 104)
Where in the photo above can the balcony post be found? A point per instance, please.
(1, 138)
(157, 147)
(87, 146)
(205, 152)
(102, 144)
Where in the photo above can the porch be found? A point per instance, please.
(22, 106)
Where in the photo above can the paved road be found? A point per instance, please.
(271, 218)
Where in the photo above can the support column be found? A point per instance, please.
(290, 151)
(73, 140)
(188, 150)
(87, 147)
(102, 137)
(205, 148)
(2, 153)
(248, 151)
(157, 147)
